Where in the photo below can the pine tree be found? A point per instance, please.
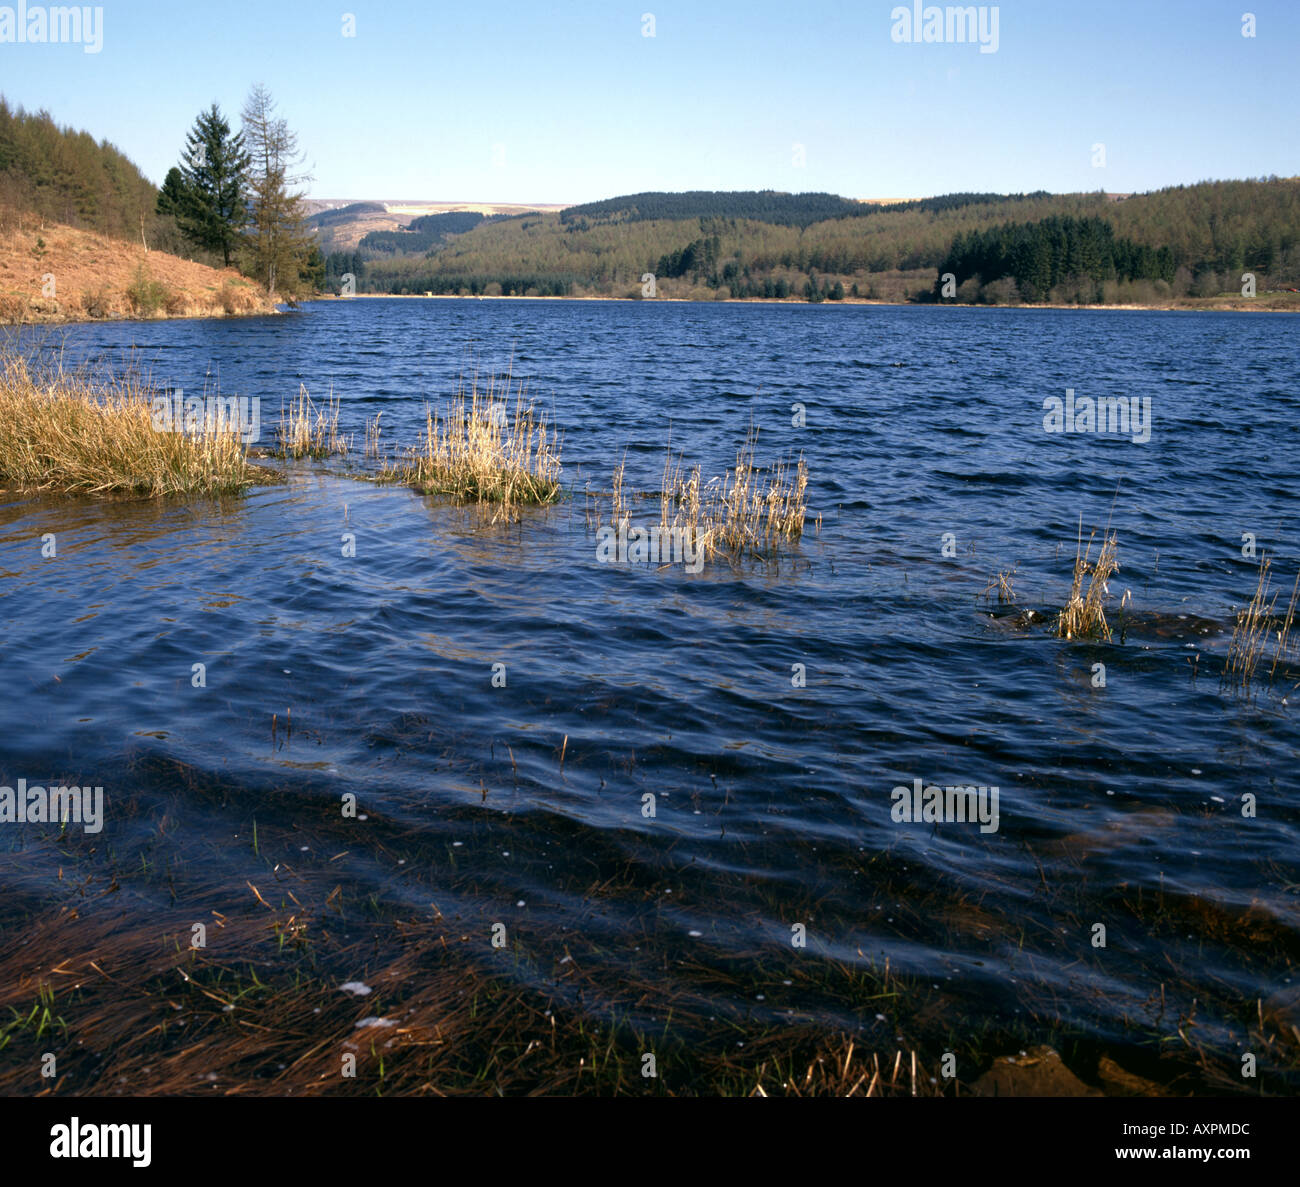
(172, 198)
(212, 208)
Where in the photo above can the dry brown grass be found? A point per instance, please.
(308, 429)
(100, 277)
(481, 450)
(1084, 615)
(74, 434)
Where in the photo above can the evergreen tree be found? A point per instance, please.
(212, 208)
(172, 198)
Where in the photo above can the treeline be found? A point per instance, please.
(494, 285)
(63, 175)
(230, 200)
(955, 201)
(764, 206)
(1040, 256)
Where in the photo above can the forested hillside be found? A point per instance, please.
(1189, 240)
(66, 176)
(84, 234)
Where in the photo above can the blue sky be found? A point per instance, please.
(519, 101)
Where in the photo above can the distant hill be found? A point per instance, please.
(423, 234)
(1184, 241)
(340, 225)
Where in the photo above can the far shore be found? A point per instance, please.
(1264, 303)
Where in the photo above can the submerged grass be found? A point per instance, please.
(1256, 630)
(480, 449)
(750, 511)
(308, 429)
(69, 433)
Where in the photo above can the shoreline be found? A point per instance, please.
(1195, 305)
(1210, 305)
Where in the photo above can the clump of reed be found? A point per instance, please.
(481, 450)
(308, 429)
(1084, 615)
(749, 511)
(75, 433)
(1256, 629)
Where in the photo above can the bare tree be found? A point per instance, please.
(277, 240)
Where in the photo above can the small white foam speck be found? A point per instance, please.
(356, 988)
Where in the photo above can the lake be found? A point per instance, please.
(683, 782)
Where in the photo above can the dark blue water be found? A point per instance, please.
(1120, 805)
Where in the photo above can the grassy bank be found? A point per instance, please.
(52, 274)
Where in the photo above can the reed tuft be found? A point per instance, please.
(1255, 631)
(308, 429)
(73, 433)
(1084, 615)
(482, 450)
(749, 511)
